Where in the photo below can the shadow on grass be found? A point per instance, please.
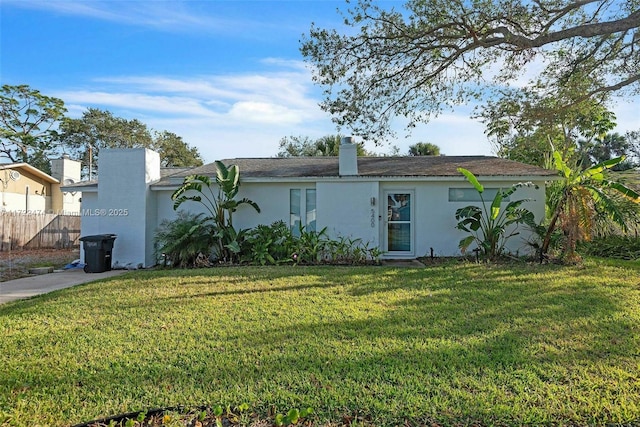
(463, 344)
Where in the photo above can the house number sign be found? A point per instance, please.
(373, 218)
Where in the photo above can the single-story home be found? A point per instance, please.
(405, 206)
(26, 189)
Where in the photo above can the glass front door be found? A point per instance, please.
(399, 222)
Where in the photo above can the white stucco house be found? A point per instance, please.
(403, 205)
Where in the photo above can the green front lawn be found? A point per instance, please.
(456, 343)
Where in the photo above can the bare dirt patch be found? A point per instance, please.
(16, 264)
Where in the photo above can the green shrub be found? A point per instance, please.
(221, 206)
(490, 227)
(269, 244)
(184, 240)
(278, 244)
(310, 247)
(345, 250)
(620, 247)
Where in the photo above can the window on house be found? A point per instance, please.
(294, 209)
(310, 196)
(302, 206)
(471, 195)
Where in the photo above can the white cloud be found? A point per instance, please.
(222, 115)
(262, 112)
(168, 16)
(283, 87)
(246, 115)
(137, 102)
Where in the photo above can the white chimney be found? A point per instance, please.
(348, 157)
(65, 169)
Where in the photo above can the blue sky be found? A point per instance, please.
(227, 76)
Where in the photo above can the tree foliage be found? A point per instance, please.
(33, 128)
(579, 197)
(525, 124)
(304, 146)
(633, 139)
(29, 121)
(424, 149)
(605, 148)
(174, 151)
(434, 54)
(98, 129)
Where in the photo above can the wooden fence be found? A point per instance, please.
(38, 231)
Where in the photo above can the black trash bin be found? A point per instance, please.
(97, 252)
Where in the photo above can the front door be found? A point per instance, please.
(399, 236)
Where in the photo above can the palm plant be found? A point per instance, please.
(220, 205)
(575, 201)
(491, 227)
(181, 241)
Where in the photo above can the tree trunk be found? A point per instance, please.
(552, 226)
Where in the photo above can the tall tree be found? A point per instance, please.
(526, 124)
(304, 146)
(424, 149)
(28, 121)
(436, 54)
(605, 148)
(174, 152)
(576, 200)
(633, 138)
(98, 129)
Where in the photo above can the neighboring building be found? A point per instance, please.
(403, 205)
(24, 188)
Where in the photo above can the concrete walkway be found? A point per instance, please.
(27, 287)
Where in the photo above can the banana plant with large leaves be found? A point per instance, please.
(577, 196)
(491, 226)
(219, 200)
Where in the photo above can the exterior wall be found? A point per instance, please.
(351, 207)
(434, 215)
(164, 206)
(346, 208)
(272, 198)
(124, 204)
(343, 207)
(89, 224)
(65, 203)
(13, 194)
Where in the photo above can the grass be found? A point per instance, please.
(452, 344)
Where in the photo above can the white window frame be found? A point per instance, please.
(411, 222)
(309, 215)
